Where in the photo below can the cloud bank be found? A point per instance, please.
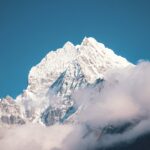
(112, 112)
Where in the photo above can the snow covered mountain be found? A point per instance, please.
(48, 97)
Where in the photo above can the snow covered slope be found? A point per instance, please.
(10, 112)
(51, 83)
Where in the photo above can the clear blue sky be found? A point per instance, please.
(29, 29)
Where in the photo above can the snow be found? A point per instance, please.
(63, 71)
(93, 57)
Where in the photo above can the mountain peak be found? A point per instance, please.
(93, 58)
(63, 71)
(87, 41)
(68, 44)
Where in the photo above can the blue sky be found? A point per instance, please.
(29, 29)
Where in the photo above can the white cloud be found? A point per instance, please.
(124, 98)
(33, 136)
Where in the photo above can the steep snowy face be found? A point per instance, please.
(63, 71)
(50, 68)
(93, 59)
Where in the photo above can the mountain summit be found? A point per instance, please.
(48, 97)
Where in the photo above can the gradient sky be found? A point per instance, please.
(29, 29)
